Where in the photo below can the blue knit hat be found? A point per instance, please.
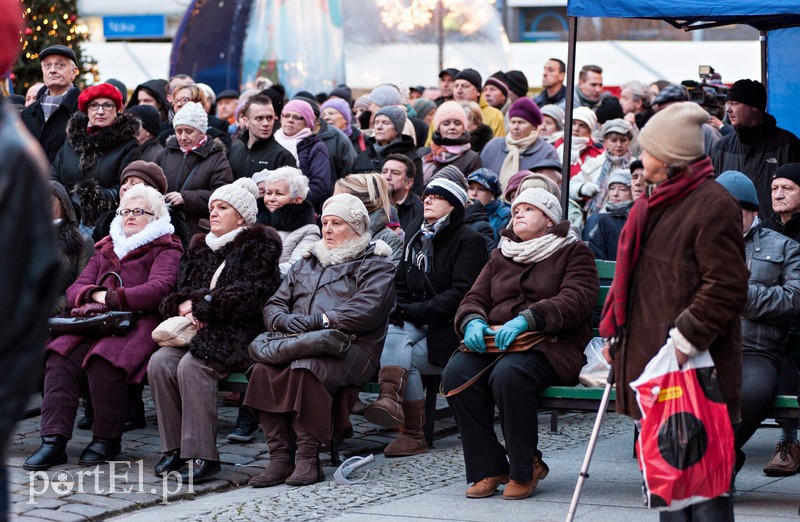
(488, 179)
(740, 187)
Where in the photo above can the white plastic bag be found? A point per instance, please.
(595, 373)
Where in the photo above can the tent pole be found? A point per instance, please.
(762, 37)
(572, 23)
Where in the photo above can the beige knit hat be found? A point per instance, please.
(541, 199)
(675, 134)
(241, 195)
(350, 209)
(193, 115)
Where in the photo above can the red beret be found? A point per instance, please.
(10, 32)
(101, 90)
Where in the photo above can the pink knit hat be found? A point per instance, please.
(303, 109)
(449, 111)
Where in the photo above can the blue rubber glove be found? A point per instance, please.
(509, 331)
(473, 335)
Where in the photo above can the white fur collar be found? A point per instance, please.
(351, 250)
(124, 245)
(215, 242)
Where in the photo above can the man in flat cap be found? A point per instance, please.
(759, 146)
(47, 117)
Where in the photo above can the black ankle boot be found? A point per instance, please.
(51, 453)
(100, 450)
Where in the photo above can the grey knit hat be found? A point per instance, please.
(620, 176)
(192, 115)
(385, 95)
(241, 195)
(541, 199)
(396, 115)
(555, 112)
(349, 209)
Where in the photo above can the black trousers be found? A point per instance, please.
(718, 509)
(512, 385)
(760, 378)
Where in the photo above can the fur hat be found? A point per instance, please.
(487, 179)
(586, 115)
(10, 31)
(741, 187)
(192, 115)
(241, 195)
(472, 76)
(304, 109)
(148, 115)
(541, 199)
(349, 209)
(499, 80)
(555, 112)
(151, 173)
(397, 117)
(622, 176)
(526, 109)
(449, 190)
(449, 110)
(385, 95)
(341, 106)
(749, 92)
(675, 134)
(517, 83)
(101, 90)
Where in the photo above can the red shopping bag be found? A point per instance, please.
(686, 440)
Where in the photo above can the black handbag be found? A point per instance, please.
(107, 324)
(282, 348)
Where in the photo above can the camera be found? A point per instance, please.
(709, 92)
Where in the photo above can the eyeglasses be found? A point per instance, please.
(107, 106)
(59, 66)
(295, 117)
(182, 101)
(125, 212)
(432, 198)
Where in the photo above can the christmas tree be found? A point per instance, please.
(49, 22)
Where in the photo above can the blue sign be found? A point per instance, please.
(134, 26)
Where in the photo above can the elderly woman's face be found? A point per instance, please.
(188, 137)
(435, 207)
(548, 126)
(334, 117)
(336, 232)
(292, 123)
(580, 129)
(519, 128)
(278, 194)
(224, 218)
(131, 222)
(530, 222)
(619, 192)
(102, 112)
(180, 98)
(384, 130)
(617, 144)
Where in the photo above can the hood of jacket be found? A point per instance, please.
(155, 88)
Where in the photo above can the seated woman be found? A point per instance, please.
(450, 143)
(345, 283)
(143, 252)
(373, 191)
(226, 277)
(542, 279)
(441, 262)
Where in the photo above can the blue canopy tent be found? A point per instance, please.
(777, 20)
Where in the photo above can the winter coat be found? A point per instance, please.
(467, 163)
(496, 151)
(480, 137)
(217, 129)
(340, 151)
(493, 118)
(151, 150)
(76, 249)
(379, 230)
(264, 154)
(313, 160)
(789, 229)
(605, 236)
(358, 141)
(356, 296)
(296, 224)
(99, 157)
(690, 274)
(232, 310)
(409, 213)
(51, 134)
(148, 274)
(561, 290)
(371, 161)
(499, 213)
(475, 217)
(773, 295)
(757, 152)
(459, 254)
(195, 175)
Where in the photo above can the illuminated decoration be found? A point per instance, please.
(408, 15)
(50, 22)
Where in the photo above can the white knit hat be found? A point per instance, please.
(586, 115)
(241, 195)
(350, 209)
(541, 199)
(192, 115)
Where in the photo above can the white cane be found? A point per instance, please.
(584, 474)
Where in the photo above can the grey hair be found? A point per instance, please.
(639, 91)
(154, 200)
(293, 177)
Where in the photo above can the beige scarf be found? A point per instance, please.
(538, 249)
(515, 148)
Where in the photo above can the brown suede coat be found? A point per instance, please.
(691, 274)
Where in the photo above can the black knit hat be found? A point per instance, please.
(123, 90)
(609, 109)
(472, 76)
(151, 119)
(790, 171)
(517, 82)
(499, 80)
(749, 92)
(344, 92)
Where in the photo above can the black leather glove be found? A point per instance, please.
(291, 323)
(314, 322)
(396, 317)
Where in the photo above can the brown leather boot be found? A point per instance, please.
(387, 411)
(412, 437)
(516, 490)
(307, 469)
(785, 461)
(486, 487)
(281, 460)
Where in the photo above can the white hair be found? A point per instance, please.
(639, 90)
(293, 177)
(154, 200)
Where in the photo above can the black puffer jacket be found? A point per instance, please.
(264, 154)
(232, 310)
(476, 218)
(371, 161)
(432, 298)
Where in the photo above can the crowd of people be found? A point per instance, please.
(424, 223)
